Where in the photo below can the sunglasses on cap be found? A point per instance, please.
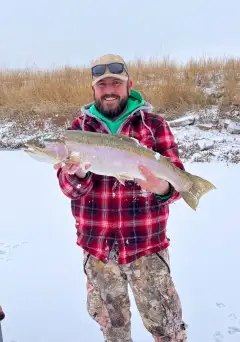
(114, 68)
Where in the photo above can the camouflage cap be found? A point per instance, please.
(108, 59)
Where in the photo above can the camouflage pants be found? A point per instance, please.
(156, 298)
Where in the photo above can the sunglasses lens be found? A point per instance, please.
(98, 70)
(116, 68)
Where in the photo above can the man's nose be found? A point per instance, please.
(108, 89)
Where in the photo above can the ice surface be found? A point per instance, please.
(42, 287)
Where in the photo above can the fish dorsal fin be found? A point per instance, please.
(127, 139)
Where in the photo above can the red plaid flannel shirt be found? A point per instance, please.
(105, 213)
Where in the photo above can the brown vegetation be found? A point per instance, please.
(26, 95)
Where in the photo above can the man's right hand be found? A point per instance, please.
(73, 169)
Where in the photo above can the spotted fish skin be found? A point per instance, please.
(120, 156)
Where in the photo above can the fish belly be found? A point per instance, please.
(114, 163)
(108, 161)
(122, 164)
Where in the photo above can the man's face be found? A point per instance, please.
(111, 96)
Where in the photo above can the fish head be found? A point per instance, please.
(49, 151)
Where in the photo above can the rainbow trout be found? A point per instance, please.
(118, 156)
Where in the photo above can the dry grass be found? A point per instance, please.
(170, 87)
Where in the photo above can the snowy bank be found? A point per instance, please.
(206, 135)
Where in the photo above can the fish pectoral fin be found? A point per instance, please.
(72, 159)
(122, 178)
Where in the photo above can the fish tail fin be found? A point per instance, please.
(199, 188)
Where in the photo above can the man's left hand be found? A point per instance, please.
(152, 183)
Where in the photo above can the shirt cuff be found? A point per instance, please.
(165, 197)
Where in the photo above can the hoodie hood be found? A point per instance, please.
(135, 103)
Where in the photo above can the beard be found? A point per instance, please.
(114, 112)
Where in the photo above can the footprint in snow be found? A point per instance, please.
(233, 330)
(8, 249)
(233, 316)
(218, 336)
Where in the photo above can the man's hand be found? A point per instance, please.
(71, 169)
(152, 183)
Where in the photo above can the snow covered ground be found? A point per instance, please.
(42, 284)
(208, 135)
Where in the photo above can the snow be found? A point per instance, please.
(183, 121)
(203, 135)
(213, 85)
(233, 128)
(222, 145)
(42, 287)
(205, 144)
(15, 134)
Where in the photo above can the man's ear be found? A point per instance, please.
(129, 86)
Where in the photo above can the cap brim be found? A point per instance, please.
(118, 76)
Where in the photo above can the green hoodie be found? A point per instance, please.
(135, 101)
